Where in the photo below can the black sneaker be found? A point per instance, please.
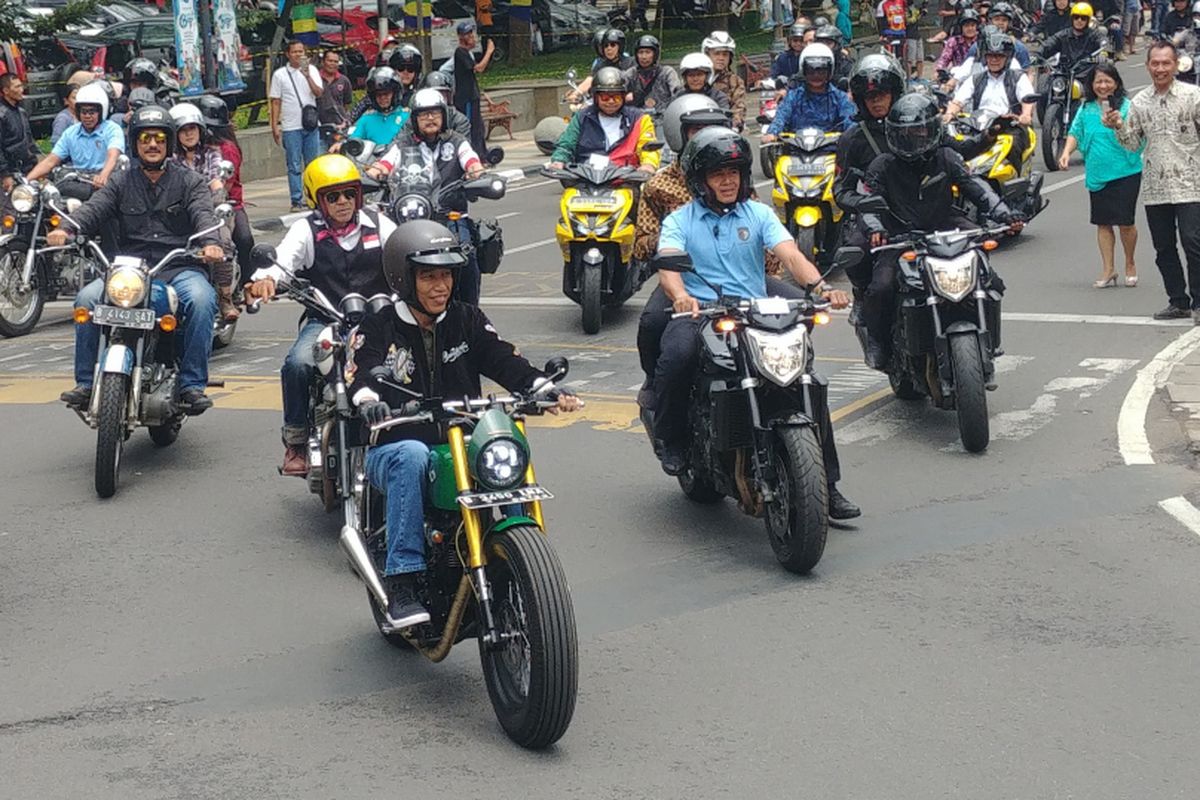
(194, 401)
(403, 609)
(839, 507)
(79, 397)
(1173, 312)
(672, 460)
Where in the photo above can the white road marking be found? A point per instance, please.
(1183, 511)
(260, 360)
(1131, 423)
(525, 301)
(530, 186)
(529, 246)
(13, 357)
(511, 174)
(508, 214)
(599, 375)
(1092, 319)
(637, 387)
(1054, 187)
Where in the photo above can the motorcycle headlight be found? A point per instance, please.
(953, 278)
(593, 225)
(412, 207)
(1185, 63)
(1059, 85)
(501, 464)
(126, 287)
(781, 357)
(23, 199)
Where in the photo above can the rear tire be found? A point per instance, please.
(110, 432)
(798, 520)
(1053, 136)
(589, 298)
(165, 435)
(969, 392)
(19, 311)
(903, 387)
(533, 679)
(698, 488)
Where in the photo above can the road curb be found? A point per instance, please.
(1183, 391)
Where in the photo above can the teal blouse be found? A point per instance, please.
(1104, 159)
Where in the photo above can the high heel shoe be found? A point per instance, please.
(1107, 283)
(1131, 281)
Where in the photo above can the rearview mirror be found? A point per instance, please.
(572, 74)
(224, 212)
(353, 148)
(494, 156)
(673, 263)
(226, 168)
(262, 255)
(556, 368)
(847, 257)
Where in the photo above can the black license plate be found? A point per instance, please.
(522, 494)
(141, 318)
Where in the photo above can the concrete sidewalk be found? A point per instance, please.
(267, 202)
(1183, 390)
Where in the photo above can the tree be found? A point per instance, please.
(17, 23)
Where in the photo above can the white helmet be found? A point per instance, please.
(695, 61)
(816, 56)
(93, 94)
(186, 114)
(718, 40)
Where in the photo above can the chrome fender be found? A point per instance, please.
(117, 359)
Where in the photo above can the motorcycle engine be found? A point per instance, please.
(158, 397)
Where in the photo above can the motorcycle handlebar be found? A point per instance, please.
(720, 310)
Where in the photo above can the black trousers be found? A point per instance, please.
(243, 241)
(676, 366)
(1163, 221)
(860, 273)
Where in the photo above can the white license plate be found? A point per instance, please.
(522, 494)
(806, 169)
(142, 318)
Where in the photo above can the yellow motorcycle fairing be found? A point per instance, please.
(596, 218)
(805, 186)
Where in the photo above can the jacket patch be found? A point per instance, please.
(454, 353)
(399, 362)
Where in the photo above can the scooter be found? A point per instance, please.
(985, 141)
(803, 192)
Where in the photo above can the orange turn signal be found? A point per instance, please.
(726, 325)
(820, 318)
(454, 215)
(55, 220)
(9, 221)
(909, 255)
(990, 245)
(168, 322)
(82, 316)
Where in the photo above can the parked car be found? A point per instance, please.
(357, 29)
(554, 24)
(44, 64)
(103, 15)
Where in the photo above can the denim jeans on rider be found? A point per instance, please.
(196, 312)
(296, 375)
(467, 285)
(300, 147)
(398, 470)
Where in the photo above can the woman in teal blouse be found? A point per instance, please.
(1114, 174)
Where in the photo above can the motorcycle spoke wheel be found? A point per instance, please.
(532, 677)
(798, 518)
(1053, 136)
(19, 310)
(110, 432)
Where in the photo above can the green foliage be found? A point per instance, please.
(17, 23)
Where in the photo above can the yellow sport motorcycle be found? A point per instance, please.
(803, 192)
(985, 140)
(595, 233)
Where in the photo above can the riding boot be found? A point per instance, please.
(225, 305)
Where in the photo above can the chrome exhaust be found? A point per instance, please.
(360, 562)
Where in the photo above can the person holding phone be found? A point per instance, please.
(1113, 174)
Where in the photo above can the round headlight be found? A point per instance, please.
(23, 199)
(412, 207)
(501, 464)
(125, 287)
(1059, 84)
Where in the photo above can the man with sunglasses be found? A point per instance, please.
(608, 127)
(338, 249)
(92, 145)
(156, 206)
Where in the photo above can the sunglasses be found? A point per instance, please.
(85, 111)
(407, 69)
(334, 195)
(158, 137)
(613, 96)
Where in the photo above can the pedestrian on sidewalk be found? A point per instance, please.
(295, 86)
(466, 84)
(336, 97)
(18, 153)
(1113, 174)
(1131, 23)
(1165, 118)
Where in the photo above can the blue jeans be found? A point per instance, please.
(398, 470)
(295, 376)
(300, 147)
(197, 310)
(467, 284)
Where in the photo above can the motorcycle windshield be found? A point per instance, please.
(412, 174)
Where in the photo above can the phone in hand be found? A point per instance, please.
(1104, 106)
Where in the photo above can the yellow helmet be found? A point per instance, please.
(326, 171)
(1082, 10)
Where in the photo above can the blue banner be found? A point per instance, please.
(227, 46)
(188, 55)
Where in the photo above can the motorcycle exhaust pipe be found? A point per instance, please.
(360, 562)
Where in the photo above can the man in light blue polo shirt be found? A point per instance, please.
(91, 145)
(724, 234)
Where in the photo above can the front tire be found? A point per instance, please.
(110, 431)
(806, 243)
(1053, 136)
(533, 678)
(19, 311)
(798, 519)
(970, 392)
(589, 298)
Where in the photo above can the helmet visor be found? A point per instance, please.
(450, 258)
(914, 139)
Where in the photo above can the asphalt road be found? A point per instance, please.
(1019, 624)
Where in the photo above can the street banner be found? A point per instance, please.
(189, 57)
(410, 16)
(227, 46)
(304, 24)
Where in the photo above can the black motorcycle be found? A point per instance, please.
(946, 328)
(1063, 97)
(752, 419)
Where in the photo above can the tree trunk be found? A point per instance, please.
(519, 44)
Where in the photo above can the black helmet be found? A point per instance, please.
(216, 113)
(1002, 9)
(914, 127)
(968, 15)
(829, 33)
(598, 41)
(383, 79)
(407, 57)
(608, 79)
(876, 72)
(612, 36)
(648, 42)
(440, 81)
(710, 149)
(1000, 43)
(151, 118)
(415, 244)
(140, 97)
(820, 22)
(798, 30)
(143, 71)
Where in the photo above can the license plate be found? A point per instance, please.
(522, 494)
(806, 169)
(587, 203)
(142, 318)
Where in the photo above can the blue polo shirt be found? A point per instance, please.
(89, 150)
(726, 249)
